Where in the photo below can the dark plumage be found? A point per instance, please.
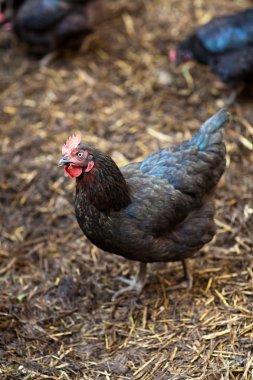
(48, 25)
(225, 44)
(160, 209)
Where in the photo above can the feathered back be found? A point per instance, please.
(227, 33)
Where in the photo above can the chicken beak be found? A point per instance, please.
(64, 161)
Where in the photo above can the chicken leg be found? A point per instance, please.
(188, 279)
(234, 95)
(137, 284)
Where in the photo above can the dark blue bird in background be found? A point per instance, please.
(48, 25)
(225, 44)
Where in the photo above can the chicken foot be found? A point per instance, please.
(234, 95)
(188, 279)
(48, 58)
(137, 284)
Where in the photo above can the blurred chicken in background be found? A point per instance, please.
(48, 25)
(225, 44)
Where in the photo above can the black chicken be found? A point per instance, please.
(225, 44)
(160, 209)
(48, 25)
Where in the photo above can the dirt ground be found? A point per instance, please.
(57, 320)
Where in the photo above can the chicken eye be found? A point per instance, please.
(80, 154)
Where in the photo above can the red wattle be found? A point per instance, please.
(8, 26)
(73, 171)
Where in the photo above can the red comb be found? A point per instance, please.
(72, 143)
(172, 55)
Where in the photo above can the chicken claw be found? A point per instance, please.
(136, 285)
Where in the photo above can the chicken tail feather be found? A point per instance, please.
(212, 131)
